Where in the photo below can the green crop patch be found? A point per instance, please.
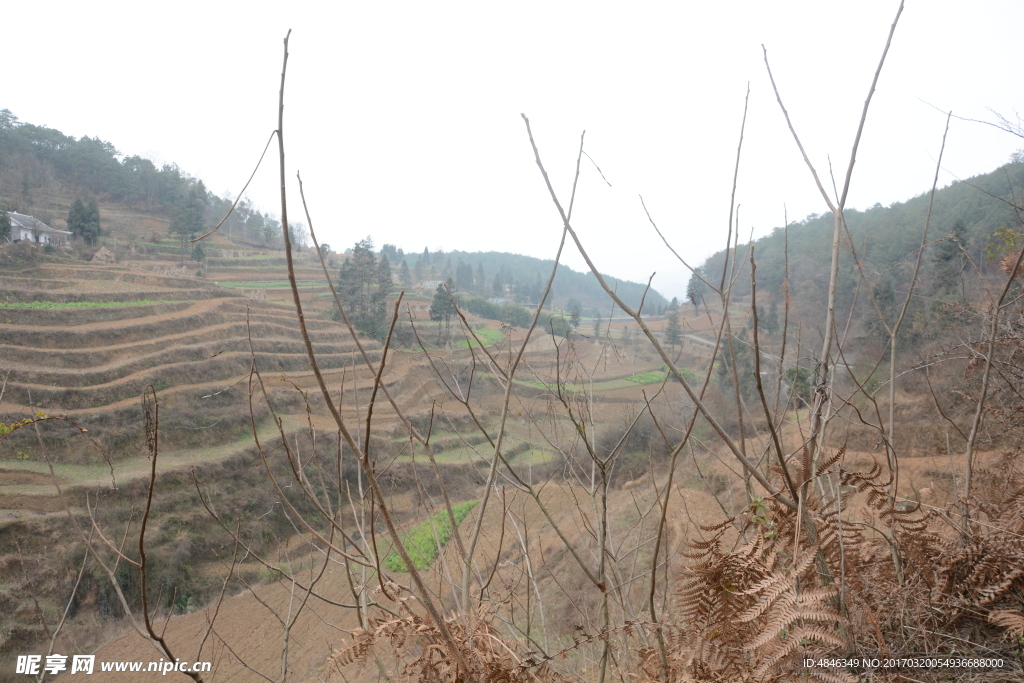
(420, 542)
(646, 377)
(83, 304)
(486, 335)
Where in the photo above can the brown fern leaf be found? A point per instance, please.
(1012, 621)
(831, 460)
(800, 637)
(806, 466)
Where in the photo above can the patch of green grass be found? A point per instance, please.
(82, 304)
(420, 543)
(659, 375)
(488, 336)
(646, 377)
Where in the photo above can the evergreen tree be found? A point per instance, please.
(573, 308)
(92, 220)
(188, 218)
(417, 270)
(391, 252)
(404, 275)
(385, 281)
(442, 309)
(673, 332)
(597, 325)
(5, 224)
(463, 277)
(76, 219)
(481, 281)
(84, 220)
(363, 286)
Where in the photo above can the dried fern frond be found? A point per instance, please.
(1012, 621)
(424, 657)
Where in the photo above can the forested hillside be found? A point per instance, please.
(42, 169)
(520, 278)
(972, 225)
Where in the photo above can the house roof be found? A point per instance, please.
(20, 220)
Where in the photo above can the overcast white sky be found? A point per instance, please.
(403, 117)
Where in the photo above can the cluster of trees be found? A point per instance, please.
(514, 315)
(520, 278)
(247, 224)
(84, 219)
(364, 283)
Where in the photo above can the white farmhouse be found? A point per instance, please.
(28, 229)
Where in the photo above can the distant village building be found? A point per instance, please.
(28, 229)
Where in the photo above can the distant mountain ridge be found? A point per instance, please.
(526, 275)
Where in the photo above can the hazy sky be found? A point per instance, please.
(403, 117)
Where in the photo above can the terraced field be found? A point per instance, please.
(85, 340)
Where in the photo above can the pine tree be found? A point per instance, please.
(76, 218)
(364, 285)
(92, 219)
(673, 332)
(189, 216)
(441, 308)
